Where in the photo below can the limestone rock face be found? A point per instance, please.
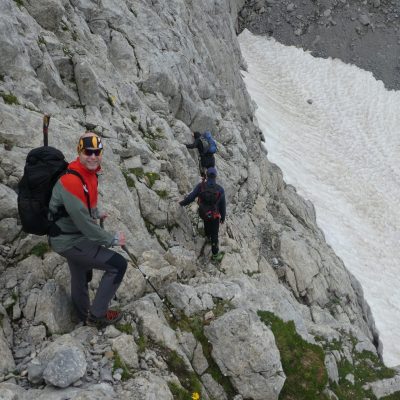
(144, 76)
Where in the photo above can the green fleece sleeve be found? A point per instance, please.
(80, 216)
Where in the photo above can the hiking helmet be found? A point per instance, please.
(89, 142)
(212, 172)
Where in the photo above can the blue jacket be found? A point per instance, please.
(221, 203)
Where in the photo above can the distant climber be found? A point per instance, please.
(212, 208)
(206, 146)
(81, 240)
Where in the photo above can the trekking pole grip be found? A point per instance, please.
(46, 122)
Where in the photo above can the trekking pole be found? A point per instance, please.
(46, 122)
(163, 299)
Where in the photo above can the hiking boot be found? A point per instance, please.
(217, 257)
(111, 317)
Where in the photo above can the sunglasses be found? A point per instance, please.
(90, 152)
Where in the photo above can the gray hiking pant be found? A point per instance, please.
(81, 260)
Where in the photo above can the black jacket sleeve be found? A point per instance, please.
(196, 145)
(191, 196)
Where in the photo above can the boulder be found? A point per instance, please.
(61, 363)
(245, 351)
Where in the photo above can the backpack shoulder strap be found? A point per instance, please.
(202, 188)
(85, 189)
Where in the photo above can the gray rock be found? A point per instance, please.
(8, 230)
(152, 324)
(146, 385)
(185, 298)
(53, 308)
(36, 334)
(330, 395)
(350, 378)
(182, 260)
(290, 7)
(48, 13)
(364, 19)
(8, 202)
(100, 391)
(199, 361)
(87, 82)
(7, 363)
(384, 387)
(215, 390)
(188, 343)
(112, 332)
(49, 75)
(127, 349)
(331, 368)
(35, 372)
(245, 351)
(61, 363)
(66, 367)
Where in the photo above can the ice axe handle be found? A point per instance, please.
(46, 122)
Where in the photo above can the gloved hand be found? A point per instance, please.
(119, 239)
(103, 215)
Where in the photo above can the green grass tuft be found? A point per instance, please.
(119, 364)
(9, 98)
(19, 3)
(188, 379)
(142, 344)
(366, 368)
(125, 328)
(179, 392)
(137, 172)
(195, 325)
(152, 177)
(302, 362)
(129, 181)
(163, 194)
(40, 249)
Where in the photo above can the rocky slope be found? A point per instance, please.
(361, 32)
(144, 74)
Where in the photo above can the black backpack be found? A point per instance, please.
(44, 166)
(208, 199)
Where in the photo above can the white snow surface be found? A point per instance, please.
(342, 152)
